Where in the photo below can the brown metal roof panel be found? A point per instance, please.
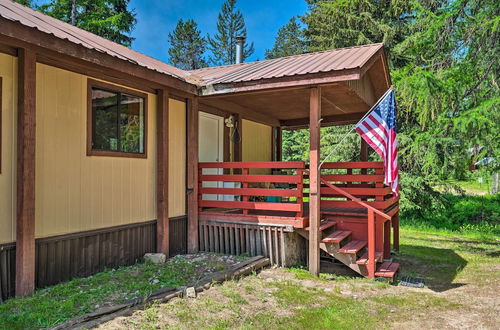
(33, 19)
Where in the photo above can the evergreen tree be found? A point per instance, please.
(230, 24)
(289, 41)
(27, 3)
(111, 19)
(187, 46)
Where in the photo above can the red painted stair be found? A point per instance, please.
(353, 247)
(363, 260)
(325, 224)
(387, 269)
(337, 237)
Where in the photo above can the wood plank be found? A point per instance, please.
(342, 165)
(252, 192)
(192, 174)
(314, 179)
(251, 178)
(26, 142)
(325, 224)
(251, 205)
(337, 236)
(353, 247)
(357, 191)
(332, 120)
(353, 177)
(162, 223)
(363, 260)
(279, 165)
(387, 269)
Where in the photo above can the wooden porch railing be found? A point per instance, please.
(371, 224)
(247, 185)
(363, 180)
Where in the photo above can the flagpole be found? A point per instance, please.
(349, 131)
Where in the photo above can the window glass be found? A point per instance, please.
(117, 122)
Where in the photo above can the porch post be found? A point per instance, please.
(162, 223)
(192, 174)
(26, 141)
(314, 179)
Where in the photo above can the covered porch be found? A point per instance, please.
(335, 205)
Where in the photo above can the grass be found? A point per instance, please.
(458, 270)
(56, 304)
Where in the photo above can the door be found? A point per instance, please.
(211, 147)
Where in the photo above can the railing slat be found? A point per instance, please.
(251, 178)
(352, 165)
(252, 192)
(251, 205)
(267, 165)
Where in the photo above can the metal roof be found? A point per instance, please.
(320, 62)
(26, 16)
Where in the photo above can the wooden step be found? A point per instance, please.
(387, 269)
(325, 224)
(353, 247)
(337, 236)
(364, 258)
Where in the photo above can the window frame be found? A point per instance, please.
(91, 83)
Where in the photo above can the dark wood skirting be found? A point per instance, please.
(7, 270)
(61, 258)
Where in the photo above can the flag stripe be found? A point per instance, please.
(378, 129)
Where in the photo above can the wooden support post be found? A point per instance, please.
(277, 144)
(371, 244)
(363, 154)
(192, 174)
(314, 180)
(395, 231)
(387, 239)
(26, 141)
(162, 223)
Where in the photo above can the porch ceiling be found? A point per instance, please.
(341, 104)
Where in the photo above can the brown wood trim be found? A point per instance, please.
(332, 120)
(8, 50)
(26, 142)
(309, 79)
(17, 35)
(96, 83)
(192, 173)
(1, 116)
(162, 225)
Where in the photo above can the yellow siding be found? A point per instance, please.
(75, 192)
(176, 158)
(8, 72)
(257, 142)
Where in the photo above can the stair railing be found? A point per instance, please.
(371, 224)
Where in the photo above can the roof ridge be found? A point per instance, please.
(284, 57)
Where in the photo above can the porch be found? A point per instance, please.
(357, 211)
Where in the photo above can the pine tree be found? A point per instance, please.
(187, 46)
(230, 24)
(111, 19)
(27, 3)
(289, 41)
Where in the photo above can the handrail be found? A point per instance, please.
(354, 199)
(371, 224)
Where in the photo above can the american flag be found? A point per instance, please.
(378, 129)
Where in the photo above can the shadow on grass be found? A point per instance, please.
(438, 267)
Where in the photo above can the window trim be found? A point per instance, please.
(91, 83)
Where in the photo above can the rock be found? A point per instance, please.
(156, 258)
(191, 292)
(198, 259)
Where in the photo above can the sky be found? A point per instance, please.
(156, 18)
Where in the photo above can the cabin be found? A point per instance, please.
(107, 154)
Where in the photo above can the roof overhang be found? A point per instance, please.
(68, 55)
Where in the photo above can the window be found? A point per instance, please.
(117, 121)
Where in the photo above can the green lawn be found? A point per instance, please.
(461, 274)
(56, 304)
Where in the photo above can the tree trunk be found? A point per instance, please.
(73, 12)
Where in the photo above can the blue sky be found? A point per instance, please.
(156, 18)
